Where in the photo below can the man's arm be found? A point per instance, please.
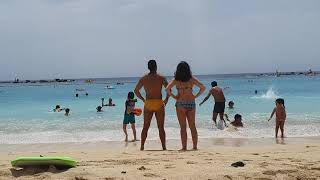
(206, 98)
(165, 84)
(137, 90)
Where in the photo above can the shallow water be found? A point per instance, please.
(26, 109)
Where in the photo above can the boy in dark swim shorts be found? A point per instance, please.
(129, 116)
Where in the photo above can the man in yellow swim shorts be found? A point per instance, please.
(153, 103)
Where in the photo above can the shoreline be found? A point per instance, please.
(172, 144)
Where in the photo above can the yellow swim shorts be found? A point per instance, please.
(153, 105)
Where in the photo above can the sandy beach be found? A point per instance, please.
(291, 158)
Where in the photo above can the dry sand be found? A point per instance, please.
(264, 159)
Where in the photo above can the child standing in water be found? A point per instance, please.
(281, 116)
(129, 116)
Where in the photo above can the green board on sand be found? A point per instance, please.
(65, 162)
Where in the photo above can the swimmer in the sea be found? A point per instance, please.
(57, 109)
(67, 112)
(99, 109)
(231, 105)
(87, 94)
(77, 95)
(109, 103)
(237, 122)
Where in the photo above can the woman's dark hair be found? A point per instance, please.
(183, 72)
(57, 106)
(130, 95)
(280, 101)
(231, 102)
(67, 110)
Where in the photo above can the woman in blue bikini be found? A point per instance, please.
(185, 105)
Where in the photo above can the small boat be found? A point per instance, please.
(88, 81)
(109, 87)
(80, 89)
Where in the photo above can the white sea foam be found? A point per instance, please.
(270, 94)
(250, 131)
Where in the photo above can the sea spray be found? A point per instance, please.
(270, 94)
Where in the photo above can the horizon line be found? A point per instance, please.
(242, 73)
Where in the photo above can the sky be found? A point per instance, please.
(46, 39)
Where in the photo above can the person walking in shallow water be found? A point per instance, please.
(185, 102)
(153, 103)
(220, 100)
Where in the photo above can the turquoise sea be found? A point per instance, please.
(26, 114)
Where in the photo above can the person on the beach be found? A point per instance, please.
(153, 103)
(99, 109)
(281, 116)
(67, 112)
(231, 105)
(129, 116)
(237, 122)
(220, 101)
(57, 109)
(185, 101)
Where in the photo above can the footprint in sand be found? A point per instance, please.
(273, 173)
(80, 178)
(169, 166)
(110, 178)
(191, 162)
(263, 164)
(256, 154)
(228, 177)
(150, 175)
(142, 168)
(315, 168)
(247, 160)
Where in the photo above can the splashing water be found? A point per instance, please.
(270, 94)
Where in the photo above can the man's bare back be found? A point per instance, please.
(217, 94)
(152, 84)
